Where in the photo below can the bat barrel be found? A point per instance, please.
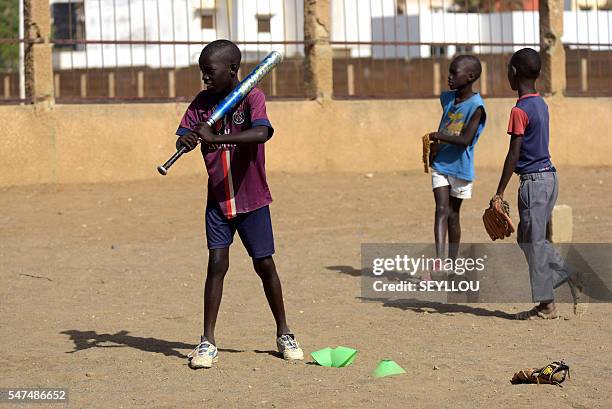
(245, 86)
(229, 102)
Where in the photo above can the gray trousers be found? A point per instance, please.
(536, 199)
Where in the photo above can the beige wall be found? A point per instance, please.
(114, 142)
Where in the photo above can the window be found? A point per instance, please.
(438, 51)
(401, 7)
(341, 52)
(207, 19)
(464, 49)
(68, 24)
(263, 23)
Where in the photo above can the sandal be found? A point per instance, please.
(534, 314)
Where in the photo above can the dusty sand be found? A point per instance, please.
(102, 293)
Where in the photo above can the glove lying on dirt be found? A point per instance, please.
(553, 374)
(497, 220)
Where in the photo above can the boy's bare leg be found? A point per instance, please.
(266, 270)
(441, 196)
(454, 227)
(218, 264)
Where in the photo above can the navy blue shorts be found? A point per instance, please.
(254, 229)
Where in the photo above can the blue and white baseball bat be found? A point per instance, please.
(233, 99)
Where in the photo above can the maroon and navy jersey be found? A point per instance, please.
(529, 120)
(236, 173)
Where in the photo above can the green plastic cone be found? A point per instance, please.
(387, 367)
(323, 356)
(337, 357)
(343, 356)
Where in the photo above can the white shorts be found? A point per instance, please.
(459, 188)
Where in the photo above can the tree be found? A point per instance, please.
(9, 28)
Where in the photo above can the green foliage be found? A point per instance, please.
(9, 28)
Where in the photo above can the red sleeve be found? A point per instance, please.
(518, 122)
(257, 105)
(257, 108)
(191, 118)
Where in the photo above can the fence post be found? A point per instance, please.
(584, 75)
(56, 85)
(7, 87)
(484, 79)
(140, 83)
(83, 85)
(350, 79)
(552, 78)
(318, 75)
(273, 83)
(172, 84)
(437, 88)
(111, 85)
(38, 58)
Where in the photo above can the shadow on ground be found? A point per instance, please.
(91, 339)
(354, 272)
(424, 306)
(275, 354)
(440, 308)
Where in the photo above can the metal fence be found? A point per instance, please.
(402, 48)
(588, 47)
(147, 50)
(395, 48)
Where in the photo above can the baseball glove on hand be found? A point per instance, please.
(553, 374)
(429, 151)
(497, 220)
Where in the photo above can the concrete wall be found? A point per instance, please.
(113, 142)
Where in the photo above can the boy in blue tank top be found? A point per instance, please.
(452, 161)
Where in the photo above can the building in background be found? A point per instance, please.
(177, 28)
(436, 28)
(447, 30)
(148, 49)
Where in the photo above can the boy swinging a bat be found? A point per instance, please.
(238, 193)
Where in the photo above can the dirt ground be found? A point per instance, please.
(102, 294)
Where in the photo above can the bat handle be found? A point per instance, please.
(163, 169)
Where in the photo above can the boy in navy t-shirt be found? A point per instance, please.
(528, 156)
(463, 120)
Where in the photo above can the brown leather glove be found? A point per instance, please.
(497, 220)
(430, 149)
(553, 374)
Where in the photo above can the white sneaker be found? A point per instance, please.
(289, 347)
(203, 356)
